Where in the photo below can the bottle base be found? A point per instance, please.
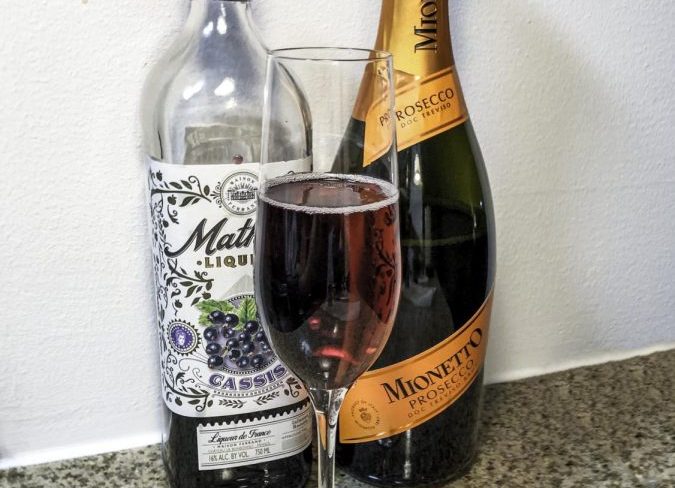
(294, 473)
(385, 482)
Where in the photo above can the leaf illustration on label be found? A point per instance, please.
(262, 400)
(206, 307)
(247, 310)
(209, 306)
(178, 386)
(232, 403)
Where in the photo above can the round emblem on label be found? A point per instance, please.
(238, 193)
(365, 414)
(182, 337)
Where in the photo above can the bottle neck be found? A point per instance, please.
(218, 18)
(417, 33)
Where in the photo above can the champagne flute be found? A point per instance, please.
(328, 264)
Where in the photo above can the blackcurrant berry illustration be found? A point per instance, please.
(248, 348)
(215, 361)
(261, 337)
(217, 317)
(229, 332)
(213, 348)
(257, 361)
(264, 347)
(231, 319)
(251, 326)
(244, 337)
(211, 334)
(243, 361)
(232, 343)
(235, 354)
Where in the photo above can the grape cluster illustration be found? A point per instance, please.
(233, 335)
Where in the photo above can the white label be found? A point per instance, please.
(203, 220)
(251, 442)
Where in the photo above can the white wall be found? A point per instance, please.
(573, 105)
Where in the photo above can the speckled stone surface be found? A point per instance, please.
(604, 426)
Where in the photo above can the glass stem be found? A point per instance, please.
(327, 405)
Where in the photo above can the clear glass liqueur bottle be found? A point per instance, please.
(235, 416)
(412, 419)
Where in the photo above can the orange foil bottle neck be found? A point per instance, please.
(417, 33)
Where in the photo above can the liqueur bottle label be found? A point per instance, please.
(215, 358)
(249, 442)
(397, 398)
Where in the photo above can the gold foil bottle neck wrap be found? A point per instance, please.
(417, 33)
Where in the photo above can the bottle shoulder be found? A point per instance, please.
(204, 73)
(201, 85)
(449, 163)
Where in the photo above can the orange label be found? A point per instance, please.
(373, 108)
(428, 107)
(379, 135)
(424, 108)
(394, 399)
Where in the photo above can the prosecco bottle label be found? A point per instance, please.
(391, 400)
(425, 107)
(214, 356)
(428, 107)
(221, 446)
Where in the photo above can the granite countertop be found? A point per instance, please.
(611, 425)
